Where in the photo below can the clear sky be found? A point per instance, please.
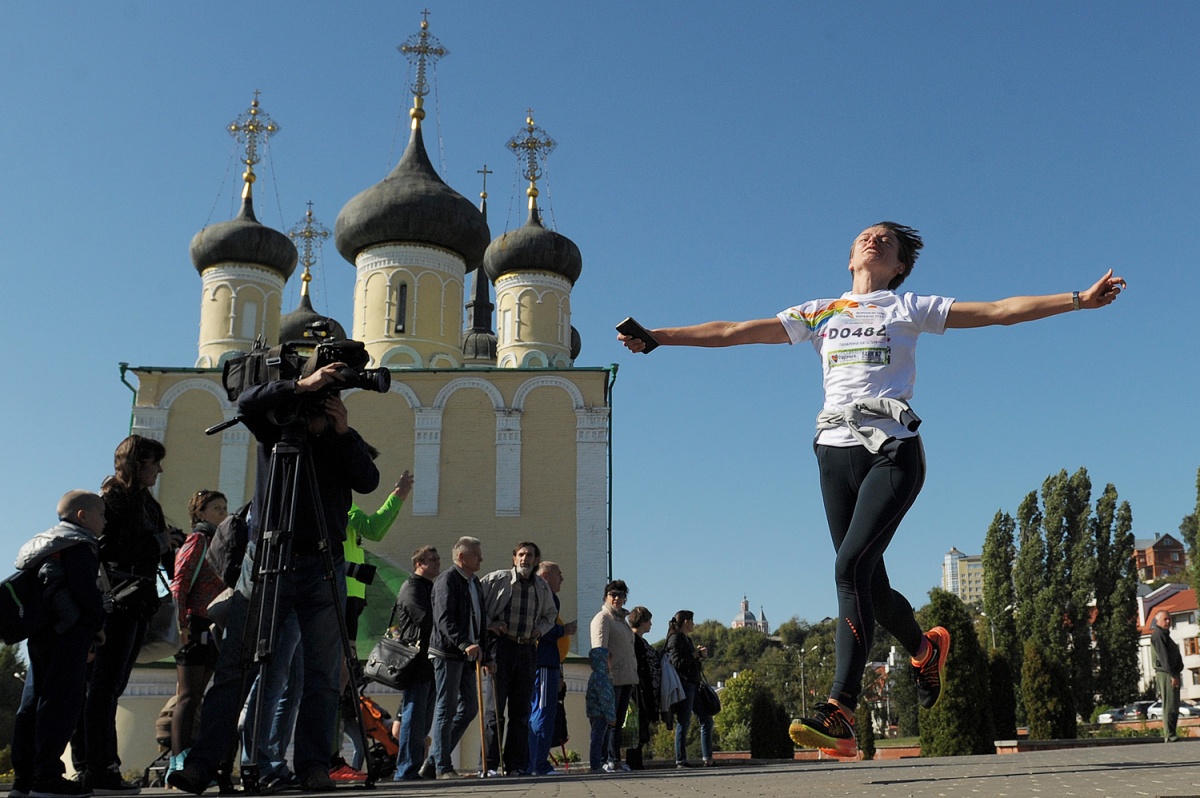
(715, 160)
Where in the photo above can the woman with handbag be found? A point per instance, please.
(195, 585)
(136, 541)
(685, 657)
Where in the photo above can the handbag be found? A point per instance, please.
(391, 658)
(707, 700)
(162, 630)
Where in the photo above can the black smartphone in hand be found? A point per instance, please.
(633, 329)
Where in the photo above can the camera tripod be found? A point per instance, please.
(291, 474)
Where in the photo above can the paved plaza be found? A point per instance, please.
(1150, 769)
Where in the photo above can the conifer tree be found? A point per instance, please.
(962, 722)
(1003, 699)
(999, 599)
(1118, 636)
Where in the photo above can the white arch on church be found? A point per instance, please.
(235, 441)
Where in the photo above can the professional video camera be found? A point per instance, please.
(298, 359)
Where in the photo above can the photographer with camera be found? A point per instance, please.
(310, 408)
(136, 541)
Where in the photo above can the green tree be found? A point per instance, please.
(732, 723)
(1028, 574)
(1046, 693)
(903, 691)
(962, 722)
(864, 730)
(1000, 691)
(999, 595)
(1115, 582)
(1190, 530)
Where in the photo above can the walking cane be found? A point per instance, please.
(482, 738)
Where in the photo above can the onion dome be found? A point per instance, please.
(576, 343)
(292, 326)
(533, 248)
(244, 240)
(412, 204)
(479, 345)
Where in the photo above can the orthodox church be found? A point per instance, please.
(507, 439)
(746, 619)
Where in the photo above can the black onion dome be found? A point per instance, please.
(576, 343)
(412, 204)
(533, 247)
(479, 345)
(243, 240)
(292, 325)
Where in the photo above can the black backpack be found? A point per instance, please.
(228, 546)
(23, 608)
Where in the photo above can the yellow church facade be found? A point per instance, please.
(507, 439)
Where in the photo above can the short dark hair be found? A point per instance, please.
(528, 544)
(420, 554)
(616, 586)
(638, 616)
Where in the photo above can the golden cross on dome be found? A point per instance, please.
(308, 234)
(253, 128)
(532, 145)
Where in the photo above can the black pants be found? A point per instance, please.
(512, 688)
(94, 744)
(866, 496)
(50, 703)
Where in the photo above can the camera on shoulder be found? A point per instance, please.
(298, 359)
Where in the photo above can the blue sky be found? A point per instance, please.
(715, 160)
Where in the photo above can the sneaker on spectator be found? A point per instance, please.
(427, 770)
(450, 773)
(58, 787)
(20, 787)
(930, 676)
(108, 782)
(830, 729)
(344, 772)
(610, 767)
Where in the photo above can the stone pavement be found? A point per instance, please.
(1151, 769)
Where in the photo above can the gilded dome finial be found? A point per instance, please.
(422, 51)
(308, 234)
(252, 128)
(531, 145)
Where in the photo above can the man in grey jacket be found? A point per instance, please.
(520, 610)
(1168, 668)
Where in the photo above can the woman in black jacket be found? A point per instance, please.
(686, 659)
(136, 540)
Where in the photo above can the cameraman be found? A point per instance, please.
(342, 464)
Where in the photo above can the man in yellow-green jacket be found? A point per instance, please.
(361, 526)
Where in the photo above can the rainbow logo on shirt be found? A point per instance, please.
(816, 320)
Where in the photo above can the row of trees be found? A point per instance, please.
(1060, 593)
(1057, 634)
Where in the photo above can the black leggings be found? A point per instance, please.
(866, 496)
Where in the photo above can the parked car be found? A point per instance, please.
(1134, 711)
(1186, 710)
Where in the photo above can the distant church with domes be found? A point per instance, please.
(746, 619)
(506, 437)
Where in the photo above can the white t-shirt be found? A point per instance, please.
(868, 348)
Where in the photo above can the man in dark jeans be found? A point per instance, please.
(456, 648)
(414, 621)
(1168, 670)
(342, 463)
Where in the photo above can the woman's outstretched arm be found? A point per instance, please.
(1017, 309)
(714, 333)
